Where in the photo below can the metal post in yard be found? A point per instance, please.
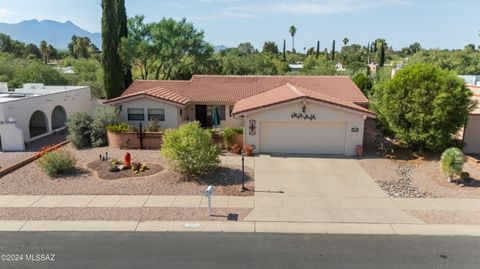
(243, 173)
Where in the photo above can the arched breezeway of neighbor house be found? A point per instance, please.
(59, 117)
(38, 124)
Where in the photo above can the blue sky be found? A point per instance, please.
(433, 23)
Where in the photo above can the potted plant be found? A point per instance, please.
(359, 150)
(236, 149)
(248, 149)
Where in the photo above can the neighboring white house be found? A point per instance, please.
(36, 110)
(279, 114)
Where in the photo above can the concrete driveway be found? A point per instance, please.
(319, 189)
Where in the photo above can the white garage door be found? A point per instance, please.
(302, 137)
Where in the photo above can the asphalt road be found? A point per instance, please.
(227, 250)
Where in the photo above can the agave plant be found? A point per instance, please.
(452, 162)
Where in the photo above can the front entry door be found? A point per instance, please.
(201, 115)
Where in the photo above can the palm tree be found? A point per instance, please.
(345, 41)
(45, 50)
(293, 31)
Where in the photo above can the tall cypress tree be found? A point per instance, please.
(382, 55)
(318, 49)
(284, 52)
(123, 32)
(112, 67)
(333, 50)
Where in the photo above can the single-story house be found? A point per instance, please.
(36, 110)
(279, 114)
(471, 132)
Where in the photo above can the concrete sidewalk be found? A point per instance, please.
(261, 202)
(124, 201)
(248, 227)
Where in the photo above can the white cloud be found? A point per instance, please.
(312, 7)
(4, 14)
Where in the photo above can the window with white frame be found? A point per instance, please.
(136, 114)
(156, 114)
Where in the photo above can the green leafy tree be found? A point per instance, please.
(364, 83)
(82, 47)
(246, 48)
(111, 62)
(32, 49)
(137, 48)
(293, 31)
(45, 50)
(423, 106)
(36, 72)
(318, 66)
(270, 47)
(190, 150)
(345, 41)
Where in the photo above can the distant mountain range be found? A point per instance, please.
(56, 33)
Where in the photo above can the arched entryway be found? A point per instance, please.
(59, 117)
(38, 124)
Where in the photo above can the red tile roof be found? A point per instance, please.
(157, 93)
(289, 92)
(206, 88)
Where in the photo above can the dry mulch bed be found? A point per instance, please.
(408, 175)
(447, 217)
(31, 180)
(102, 169)
(117, 214)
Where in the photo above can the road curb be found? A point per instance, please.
(242, 226)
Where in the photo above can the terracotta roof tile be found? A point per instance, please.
(156, 92)
(204, 88)
(289, 92)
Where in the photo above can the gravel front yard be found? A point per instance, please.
(447, 217)
(31, 180)
(117, 214)
(415, 178)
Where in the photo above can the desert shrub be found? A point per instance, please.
(58, 162)
(465, 176)
(102, 117)
(452, 162)
(119, 127)
(190, 150)
(153, 126)
(228, 135)
(79, 130)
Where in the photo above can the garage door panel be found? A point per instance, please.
(302, 137)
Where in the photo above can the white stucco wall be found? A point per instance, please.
(324, 113)
(23, 108)
(172, 112)
(472, 135)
